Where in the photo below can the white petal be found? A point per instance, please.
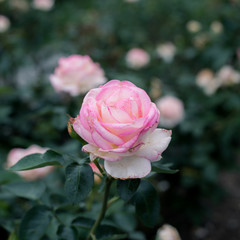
(128, 167)
(155, 144)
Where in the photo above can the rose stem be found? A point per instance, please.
(103, 210)
(98, 166)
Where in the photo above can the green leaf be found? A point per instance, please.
(79, 182)
(13, 236)
(37, 160)
(34, 223)
(7, 176)
(108, 232)
(162, 168)
(29, 190)
(83, 222)
(67, 233)
(147, 204)
(127, 188)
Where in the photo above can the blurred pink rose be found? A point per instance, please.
(76, 75)
(118, 120)
(166, 51)
(172, 111)
(137, 58)
(228, 76)
(17, 153)
(207, 81)
(167, 232)
(4, 24)
(44, 5)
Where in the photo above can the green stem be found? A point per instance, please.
(98, 166)
(103, 209)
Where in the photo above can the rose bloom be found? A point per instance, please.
(207, 81)
(118, 120)
(44, 5)
(193, 26)
(4, 24)
(166, 51)
(76, 75)
(17, 153)
(137, 58)
(172, 111)
(216, 27)
(168, 232)
(228, 76)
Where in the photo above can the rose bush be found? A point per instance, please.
(76, 75)
(118, 121)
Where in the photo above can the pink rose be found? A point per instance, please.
(118, 120)
(167, 232)
(228, 76)
(4, 24)
(166, 51)
(17, 153)
(171, 109)
(44, 5)
(77, 74)
(207, 81)
(137, 58)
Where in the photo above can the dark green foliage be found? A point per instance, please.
(127, 188)
(34, 223)
(79, 182)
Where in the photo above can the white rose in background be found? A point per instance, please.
(43, 5)
(166, 51)
(167, 232)
(76, 75)
(207, 81)
(137, 58)
(4, 24)
(17, 153)
(216, 27)
(193, 26)
(172, 111)
(228, 76)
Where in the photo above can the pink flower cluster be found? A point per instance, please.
(118, 120)
(210, 82)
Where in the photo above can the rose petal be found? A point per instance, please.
(155, 144)
(128, 167)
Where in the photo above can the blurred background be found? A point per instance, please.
(189, 50)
